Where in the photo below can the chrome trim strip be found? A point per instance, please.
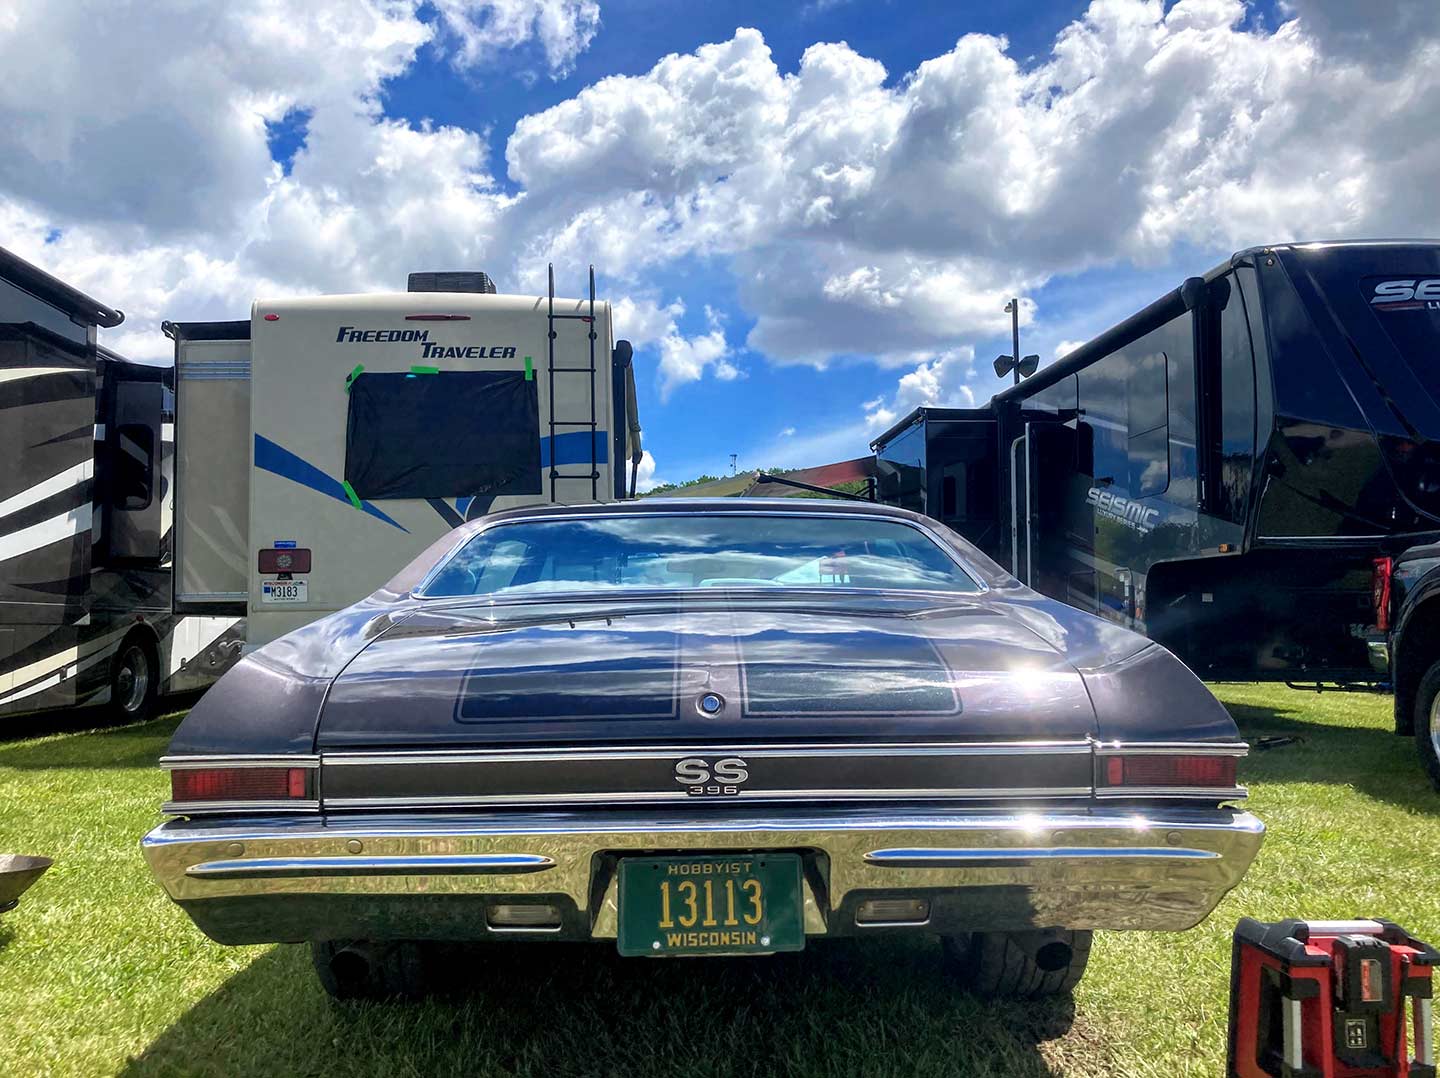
(328, 867)
(980, 586)
(187, 808)
(1217, 793)
(174, 763)
(1171, 748)
(624, 825)
(542, 799)
(942, 748)
(942, 858)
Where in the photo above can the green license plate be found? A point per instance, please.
(711, 904)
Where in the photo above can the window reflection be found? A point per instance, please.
(693, 551)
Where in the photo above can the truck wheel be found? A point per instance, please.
(134, 681)
(1427, 722)
(360, 969)
(1023, 965)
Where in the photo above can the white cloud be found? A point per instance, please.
(937, 381)
(645, 475)
(563, 28)
(645, 323)
(1064, 348)
(787, 432)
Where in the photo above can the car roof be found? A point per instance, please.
(672, 506)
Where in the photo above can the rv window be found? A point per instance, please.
(1237, 407)
(134, 477)
(445, 435)
(1148, 420)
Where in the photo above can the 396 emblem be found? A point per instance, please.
(721, 778)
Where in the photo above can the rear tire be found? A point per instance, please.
(134, 680)
(1020, 965)
(1427, 723)
(360, 969)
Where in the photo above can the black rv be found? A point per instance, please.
(1227, 470)
(85, 514)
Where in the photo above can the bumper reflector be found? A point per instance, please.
(238, 784)
(893, 911)
(527, 916)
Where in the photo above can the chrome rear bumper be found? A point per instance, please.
(272, 879)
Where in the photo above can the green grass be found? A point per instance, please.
(100, 974)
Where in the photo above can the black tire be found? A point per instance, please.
(134, 680)
(1020, 965)
(1427, 723)
(358, 969)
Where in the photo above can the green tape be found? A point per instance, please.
(529, 370)
(350, 493)
(350, 378)
(424, 370)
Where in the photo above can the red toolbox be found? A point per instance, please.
(1330, 999)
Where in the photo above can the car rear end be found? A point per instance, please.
(724, 773)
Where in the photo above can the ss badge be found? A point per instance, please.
(705, 779)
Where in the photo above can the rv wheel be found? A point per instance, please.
(133, 681)
(1427, 723)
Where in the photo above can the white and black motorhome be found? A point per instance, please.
(85, 568)
(1227, 470)
(328, 440)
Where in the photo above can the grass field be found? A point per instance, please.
(100, 974)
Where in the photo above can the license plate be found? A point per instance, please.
(282, 591)
(710, 904)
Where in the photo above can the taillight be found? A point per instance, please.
(239, 783)
(1207, 772)
(1384, 570)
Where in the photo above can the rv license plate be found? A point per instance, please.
(282, 591)
(710, 904)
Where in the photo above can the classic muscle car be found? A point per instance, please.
(703, 727)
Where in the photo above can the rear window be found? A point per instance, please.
(695, 551)
(447, 434)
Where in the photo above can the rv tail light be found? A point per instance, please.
(239, 784)
(1207, 772)
(272, 318)
(1380, 577)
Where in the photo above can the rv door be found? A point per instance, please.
(131, 497)
(212, 469)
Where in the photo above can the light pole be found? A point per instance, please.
(1022, 366)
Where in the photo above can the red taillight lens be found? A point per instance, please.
(238, 784)
(1380, 591)
(1210, 772)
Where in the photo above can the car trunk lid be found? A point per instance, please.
(483, 703)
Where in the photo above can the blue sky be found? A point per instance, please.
(809, 215)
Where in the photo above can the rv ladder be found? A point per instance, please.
(556, 475)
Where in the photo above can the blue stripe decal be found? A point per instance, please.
(573, 447)
(275, 458)
(462, 505)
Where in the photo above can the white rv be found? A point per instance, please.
(328, 440)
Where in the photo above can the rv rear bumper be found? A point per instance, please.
(277, 879)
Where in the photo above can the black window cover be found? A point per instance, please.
(445, 435)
